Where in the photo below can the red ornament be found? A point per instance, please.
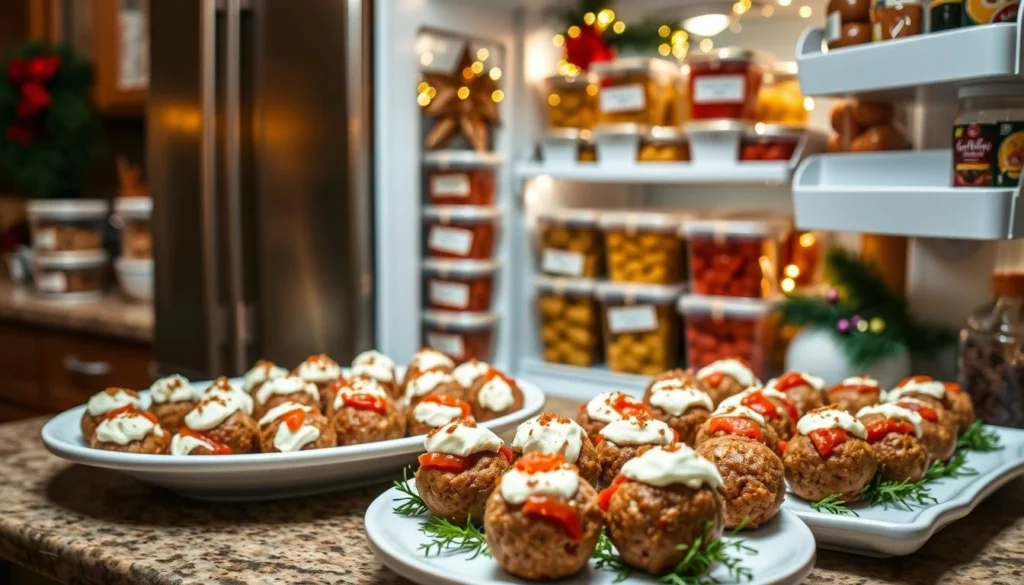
(34, 99)
(43, 68)
(589, 47)
(20, 133)
(17, 70)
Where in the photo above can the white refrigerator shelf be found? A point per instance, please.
(928, 66)
(900, 193)
(769, 173)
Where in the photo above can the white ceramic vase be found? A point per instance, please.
(817, 351)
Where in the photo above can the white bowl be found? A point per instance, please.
(135, 278)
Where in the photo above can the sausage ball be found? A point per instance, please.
(724, 378)
(436, 410)
(605, 408)
(753, 479)
(425, 359)
(224, 416)
(362, 412)
(960, 405)
(829, 456)
(853, 394)
(894, 434)
(937, 425)
(494, 395)
(172, 398)
(806, 391)
(437, 380)
(130, 431)
(287, 389)
(676, 377)
(740, 421)
(543, 521)
(666, 497)
(554, 434)
(320, 370)
(681, 405)
(621, 440)
(460, 470)
(778, 411)
(103, 403)
(373, 364)
(292, 426)
(947, 395)
(260, 372)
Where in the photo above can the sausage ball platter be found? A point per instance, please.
(278, 433)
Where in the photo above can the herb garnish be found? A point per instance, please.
(978, 438)
(411, 504)
(833, 504)
(459, 539)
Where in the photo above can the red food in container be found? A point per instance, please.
(722, 327)
(458, 285)
(724, 83)
(460, 335)
(734, 257)
(459, 177)
(460, 231)
(770, 142)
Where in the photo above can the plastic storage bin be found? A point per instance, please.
(734, 257)
(567, 146)
(459, 177)
(571, 101)
(770, 142)
(460, 335)
(459, 285)
(570, 321)
(640, 328)
(638, 90)
(460, 231)
(569, 243)
(724, 83)
(723, 327)
(71, 275)
(644, 247)
(136, 215)
(67, 224)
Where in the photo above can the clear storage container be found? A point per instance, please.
(780, 100)
(644, 247)
(71, 275)
(570, 321)
(641, 331)
(770, 142)
(67, 224)
(638, 90)
(458, 285)
(571, 101)
(734, 257)
(664, 144)
(722, 327)
(460, 335)
(136, 215)
(568, 146)
(569, 243)
(460, 231)
(724, 83)
(459, 177)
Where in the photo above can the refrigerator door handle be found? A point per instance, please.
(239, 338)
(208, 181)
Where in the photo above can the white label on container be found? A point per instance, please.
(719, 89)
(626, 98)
(636, 319)
(562, 262)
(54, 282)
(45, 239)
(452, 240)
(450, 185)
(449, 294)
(833, 27)
(448, 343)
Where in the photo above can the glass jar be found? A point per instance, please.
(571, 101)
(896, 19)
(780, 100)
(638, 90)
(460, 177)
(988, 135)
(724, 83)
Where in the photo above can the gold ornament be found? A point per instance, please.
(877, 325)
(862, 326)
(463, 103)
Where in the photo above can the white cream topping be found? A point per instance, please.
(932, 388)
(173, 388)
(260, 373)
(285, 386)
(426, 383)
(832, 418)
(600, 407)
(462, 440)
(730, 367)
(894, 411)
(517, 487)
(126, 428)
(496, 395)
(558, 435)
(428, 359)
(435, 414)
(859, 381)
(319, 370)
(222, 385)
(216, 407)
(374, 364)
(287, 441)
(359, 386)
(677, 400)
(185, 444)
(281, 409)
(736, 410)
(102, 403)
(662, 467)
(468, 373)
(632, 431)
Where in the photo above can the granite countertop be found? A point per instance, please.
(111, 316)
(84, 525)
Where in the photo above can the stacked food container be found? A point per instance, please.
(68, 261)
(135, 266)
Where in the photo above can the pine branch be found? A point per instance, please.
(411, 504)
(445, 536)
(860, 280)
(804, 310)
(978, 438)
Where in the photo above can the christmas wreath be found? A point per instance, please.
(47, 126)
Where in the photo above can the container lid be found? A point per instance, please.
(570, 80)
(729, 54)
(633, 293)
(762, 130)
(71, 259)
(67, 209)
(569, 217)
(460, 159)
(717, 125)
(665, 134)
(444, 268)
(725, 306)
(134, 265)
(648, 221)
(134, 207)
(651, 65)
(621, 129)
(724, 227)
(459, 320)
(582, 287)
(469, 213)
(569, 134)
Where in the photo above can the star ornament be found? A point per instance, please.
(464, 103)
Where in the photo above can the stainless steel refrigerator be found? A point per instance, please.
(259, 142)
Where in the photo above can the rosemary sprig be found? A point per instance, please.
(955, 467)
(411, 504)
(610, 560)
(833, 504)
(447, 536)
(705, 554)
(897, 493)
(978, 438)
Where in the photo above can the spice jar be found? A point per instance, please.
(459, 177)
(780, 100)
(637, 90)
(724, 83)
(570, 321)
(896, 19)
(641, 333)
(570, 243)
(988, 135)
(572, 101)
(461, 336)
(460, 231)
(459, 285)
(848, 23)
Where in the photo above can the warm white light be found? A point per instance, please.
(736, 26)
(785, 2)
(706, 45)
(807, 240)
(809, 104)
(707, 25)
(805, 12)
(495, 73)
(483, 54)
(426, 59)
(792, 271)
(767, 11)
(788, 285)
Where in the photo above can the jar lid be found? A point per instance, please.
(569, 134)
(1010, 89)
(470, 213)
(569, 217)
(647, 221)
(716, 125)
(723, 227)
(581, 287)
(71, 259)
(459, 320)
(67, 209)
(652, 65)
(444, 268)
(633, 293)
(729, 54)
(719, 307)
(134, 207)
(621, 129)
(570, 81)
(460, 159)
(763, 130)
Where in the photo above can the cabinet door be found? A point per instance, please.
(21, 367)
(78, 367)
(120, 49)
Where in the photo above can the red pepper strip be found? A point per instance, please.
(760, 404)
(367, 402)
(782, 447)
(736, 425)
(506, 453)
(597, 439)
(825, 440)
(562, 513)
(952, 387)
(861, 388)
(447, 400)
(537, 462)
(794, 414)
(913, 379)
(714, 379)
(294, 419)
(215, 446)
(445, 462)
(627, 405)
(881, 428)
(927, 413)
(120, 410)
(604, 499)
(790, 380)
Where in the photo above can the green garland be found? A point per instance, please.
(47, 125)
(870, 320)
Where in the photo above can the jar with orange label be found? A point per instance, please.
(460, 231)
(458, 285)
(460, 177)
(724, 83)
